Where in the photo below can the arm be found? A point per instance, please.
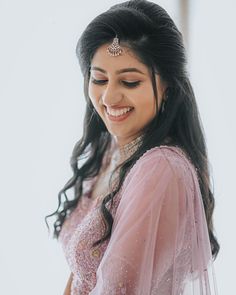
(155, 244)
(68, 286)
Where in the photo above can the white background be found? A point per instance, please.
(42, 107)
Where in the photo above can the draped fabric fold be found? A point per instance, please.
(159, 243)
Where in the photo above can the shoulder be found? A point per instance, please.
(164, 160)
(163, 172)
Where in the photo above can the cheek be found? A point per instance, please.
(93, 94)
(146, 95)
(146, 104)
(148, 109)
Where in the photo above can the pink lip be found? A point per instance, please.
(119, 118)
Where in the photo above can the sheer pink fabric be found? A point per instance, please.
(159, 243)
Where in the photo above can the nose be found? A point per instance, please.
(111, 95)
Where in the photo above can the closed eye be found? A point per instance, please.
(126, 83)
(131, 84)
(100, 82)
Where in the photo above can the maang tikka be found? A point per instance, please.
(114, 49)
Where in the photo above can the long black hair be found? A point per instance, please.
(149, 31)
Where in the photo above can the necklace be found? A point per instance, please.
(114, 157)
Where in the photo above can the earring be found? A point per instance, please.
(163, 105)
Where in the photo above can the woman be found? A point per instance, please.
(140, 220)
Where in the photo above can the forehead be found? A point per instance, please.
(113, 63)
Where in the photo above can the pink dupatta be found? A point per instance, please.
(159, 243)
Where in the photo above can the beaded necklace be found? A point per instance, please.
(115, 156)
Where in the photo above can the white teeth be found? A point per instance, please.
(119, 112)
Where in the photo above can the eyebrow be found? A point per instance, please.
(125, 70)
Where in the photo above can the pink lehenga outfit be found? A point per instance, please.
(159, 243)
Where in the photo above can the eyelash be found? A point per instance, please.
(128, 84)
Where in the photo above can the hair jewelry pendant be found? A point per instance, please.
(114, 49)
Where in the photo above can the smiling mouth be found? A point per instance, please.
(118, 113)
(118, 118)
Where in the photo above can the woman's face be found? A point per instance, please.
(121, 91)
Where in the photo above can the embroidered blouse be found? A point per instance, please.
(159, 243)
